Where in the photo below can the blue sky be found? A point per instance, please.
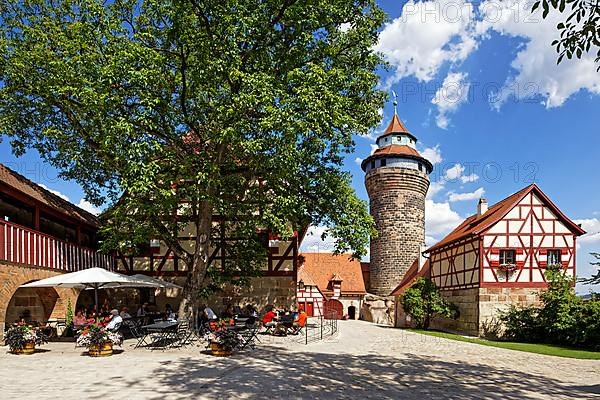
(479, 86)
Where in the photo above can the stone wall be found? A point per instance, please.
(492, 301)
(468, 307)
(378, 309)
(397, 204)
(481, 307)
(42, 303)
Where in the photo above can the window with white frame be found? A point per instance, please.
(554, 257)
(507, 257)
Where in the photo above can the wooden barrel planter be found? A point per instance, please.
(217, 349)
(28, 348)
(102, 350)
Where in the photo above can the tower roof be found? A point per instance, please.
(396, 126)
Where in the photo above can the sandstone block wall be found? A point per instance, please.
(397, 203)
(42, 303)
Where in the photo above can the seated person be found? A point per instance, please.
(169, 313)
(125, 313)
(115, 320)
(300, 321)
(210, 314)
(143, 310)
(79, 320)
(228, 312)
(270, 318)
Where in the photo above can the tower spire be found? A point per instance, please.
(395, 102)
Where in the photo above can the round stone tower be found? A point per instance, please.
(397, 179)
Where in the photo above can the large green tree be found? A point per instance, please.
(175, 111)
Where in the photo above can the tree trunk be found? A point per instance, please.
(197, 264)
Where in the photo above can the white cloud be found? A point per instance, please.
(426, 36)
(83, 203)
(453, 92)
(433, 154)
(536, 72)
(358, 160)
(89, 207)
(435, 187)
(440, 219)
(56, 192)
(469, 178)
(453, 172)
(314, 244)
(592, 227)
(477, 194)
(373, 148)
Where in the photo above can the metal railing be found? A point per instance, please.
(321, 327)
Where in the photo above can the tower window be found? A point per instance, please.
(420, 167)
(372, 164)
(383, 162)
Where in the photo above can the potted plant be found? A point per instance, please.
(22, 339)
(223, 342)
(99, 341)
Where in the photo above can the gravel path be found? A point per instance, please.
(363, 361)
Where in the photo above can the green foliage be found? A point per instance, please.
(579, 32)
(16, 337)
(240, 108)
(422, 301)
(69, 315)
(563, 318)
(594, 279)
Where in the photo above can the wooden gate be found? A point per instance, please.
(333, 309)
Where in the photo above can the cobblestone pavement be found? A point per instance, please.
(362, 361)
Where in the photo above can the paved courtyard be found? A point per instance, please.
(363, 361)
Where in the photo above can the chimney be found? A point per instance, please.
(482, 207)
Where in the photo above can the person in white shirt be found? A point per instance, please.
(125, 313)
(115, 321)
(210, 314)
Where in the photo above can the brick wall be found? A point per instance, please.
(43, 303)
(397, 203)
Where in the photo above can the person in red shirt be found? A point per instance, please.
(269, 318)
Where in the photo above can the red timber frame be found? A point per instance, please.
(536, 223)
(459, 273)
(156, 263)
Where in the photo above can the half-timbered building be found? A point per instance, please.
(498, 257)
(330, 285)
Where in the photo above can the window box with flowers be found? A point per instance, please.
(22, 339)
(99, 341)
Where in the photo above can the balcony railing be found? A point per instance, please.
(26, 246)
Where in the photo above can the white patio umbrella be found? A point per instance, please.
(158, 282)
(92, 278)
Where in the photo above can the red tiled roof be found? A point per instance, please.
(321, 267)
(411, 276)
(46, 198)
(398, 149)
(475, 225)
(395, 126)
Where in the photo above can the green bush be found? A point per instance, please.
(422, 301)
(563, 318)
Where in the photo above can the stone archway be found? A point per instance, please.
(14, 275)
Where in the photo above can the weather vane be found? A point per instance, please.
(395, 101)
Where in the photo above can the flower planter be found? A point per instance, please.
(101, 350)
(28, 348)
(217, 349)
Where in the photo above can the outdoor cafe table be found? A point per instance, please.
(161, 331)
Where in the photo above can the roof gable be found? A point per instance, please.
(475, 225)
